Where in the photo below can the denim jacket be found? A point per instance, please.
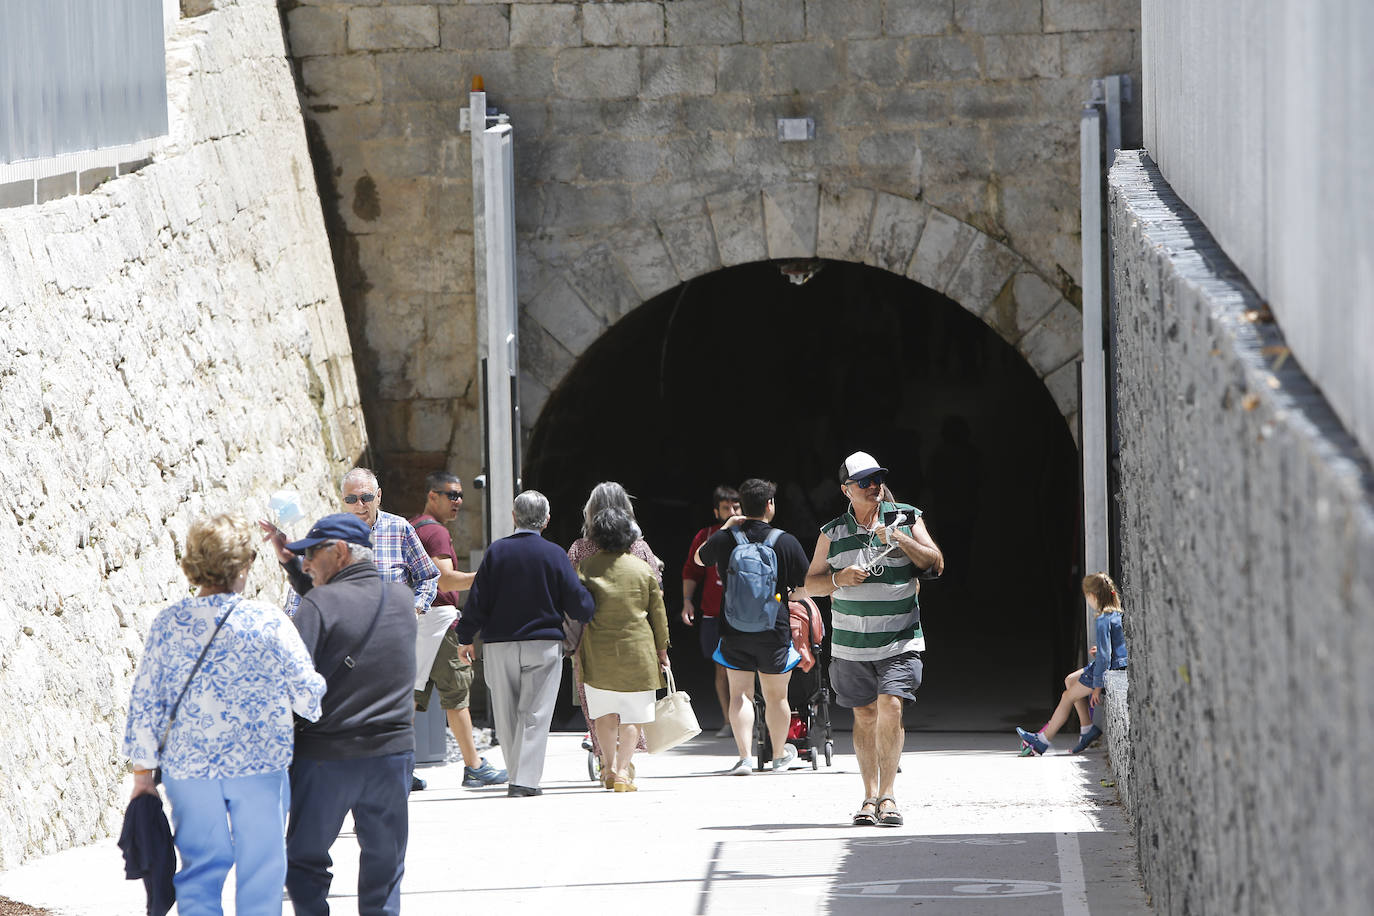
(1111, 645)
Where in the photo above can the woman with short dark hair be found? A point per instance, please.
(625, 646)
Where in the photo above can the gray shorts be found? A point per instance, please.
(860, 683)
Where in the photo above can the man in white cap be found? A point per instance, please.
(869, 561)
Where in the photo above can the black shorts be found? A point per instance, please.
(708, 628)
(759, 652)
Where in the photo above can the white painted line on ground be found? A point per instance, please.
(1075, 890)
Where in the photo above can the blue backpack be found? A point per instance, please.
(751, 584)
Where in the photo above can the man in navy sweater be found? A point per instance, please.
(524, 588)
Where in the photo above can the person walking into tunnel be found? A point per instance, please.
(624, 648)
(725, 501)
(764, 567)
(869, 561)
(236, 670)
(524, 588)
(607, 495)
(358, 758)
(436, 642)
(1083, 688)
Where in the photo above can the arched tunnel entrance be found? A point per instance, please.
(740, 374)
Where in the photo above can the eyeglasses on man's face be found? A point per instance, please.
(453, 495)
(310, 551)
(352, 498)
(872, 480)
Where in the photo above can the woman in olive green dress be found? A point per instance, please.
(624, 648)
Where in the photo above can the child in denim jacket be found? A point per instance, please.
(1084, 687)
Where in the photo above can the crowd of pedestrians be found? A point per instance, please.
(268, 726)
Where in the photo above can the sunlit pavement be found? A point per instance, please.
(986, 832)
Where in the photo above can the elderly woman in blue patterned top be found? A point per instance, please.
(224, 756)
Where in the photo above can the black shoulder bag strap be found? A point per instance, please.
(348, 659)
(167, 732)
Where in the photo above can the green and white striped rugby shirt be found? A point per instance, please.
(880, 617)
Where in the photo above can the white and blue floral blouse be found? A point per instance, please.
(235, 719)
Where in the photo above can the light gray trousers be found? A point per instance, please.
(523, 678)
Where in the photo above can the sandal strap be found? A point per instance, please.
(886, 798)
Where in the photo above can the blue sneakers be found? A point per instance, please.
(484, 775)
(1089, 736)
(1039, 746)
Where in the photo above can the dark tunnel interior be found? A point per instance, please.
(742, 374)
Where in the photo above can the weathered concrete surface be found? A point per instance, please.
(1248, 580)
(173, 345)
(1114, 716)
(658, 120)
(987, 832)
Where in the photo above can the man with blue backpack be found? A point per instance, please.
(762, 566)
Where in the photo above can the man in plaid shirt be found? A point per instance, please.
(399, 555)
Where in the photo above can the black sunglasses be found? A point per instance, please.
(354, 497)
(453, 497)
(872, 480)
(310, 551)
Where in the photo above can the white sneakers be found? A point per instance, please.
(725, 731)
(742, 767)
(783, 763)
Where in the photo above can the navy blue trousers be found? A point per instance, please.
(376, 790)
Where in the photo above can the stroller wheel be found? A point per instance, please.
(829, 752)
(593, 767)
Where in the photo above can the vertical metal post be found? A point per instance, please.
(1096, 549)
(500, 342)
(1112, 85)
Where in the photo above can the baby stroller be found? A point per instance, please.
(808, 694)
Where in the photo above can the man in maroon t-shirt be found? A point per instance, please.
(436, 646)
(726, 504)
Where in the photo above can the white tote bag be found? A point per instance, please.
(674, 722)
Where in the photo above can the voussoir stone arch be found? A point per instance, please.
(580, 300)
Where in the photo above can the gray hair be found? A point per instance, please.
(605, 495)
(612, 530)
(360, 475)
(357, 553)
(531, 510)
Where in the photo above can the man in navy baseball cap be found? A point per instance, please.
(341, 526)
(360, 756)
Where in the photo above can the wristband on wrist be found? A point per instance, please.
(833, 582)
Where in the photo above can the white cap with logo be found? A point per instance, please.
(860, 465)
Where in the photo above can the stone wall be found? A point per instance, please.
(1248, 580)
(646, 137)
(174, 345)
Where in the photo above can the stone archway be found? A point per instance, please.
(577, 302)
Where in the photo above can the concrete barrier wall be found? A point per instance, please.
(173, 345)
(1248, 582)
(1226, 79)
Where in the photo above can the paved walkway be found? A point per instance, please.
(987, 833)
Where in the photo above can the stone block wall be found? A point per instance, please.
(1248, 582)
(646, 153)
(174, 345)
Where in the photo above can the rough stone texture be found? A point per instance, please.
(1114, 714)
(1248, 533)
(384, 28)
(174, 346)
(947, 120)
